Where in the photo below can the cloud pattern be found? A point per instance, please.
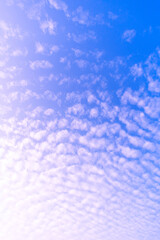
(80, 133)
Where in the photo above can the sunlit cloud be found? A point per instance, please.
(79, 121)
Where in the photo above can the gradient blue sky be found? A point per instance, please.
(79, 120)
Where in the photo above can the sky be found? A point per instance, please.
(79, 120)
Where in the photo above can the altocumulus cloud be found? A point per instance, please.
(80, 141)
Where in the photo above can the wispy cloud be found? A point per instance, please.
(81, 16)
(48, 26)
(112, 16)
(39, 48)
(10, 31)
(59, 5)
(40, 64)
(82, 37)
(137, 70)
(128, 35)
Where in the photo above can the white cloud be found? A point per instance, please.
(59, 5)
(40, 64)
(137, 70)
(76, 109)
(94, 113)
(54, 49)
(154, 86)
(10, 31)
(128, 35)
(48, 111)
(81, 63)
(112, 16)
(81, 16)
(77, 52)
(92, 99)
(19, 52)
(39, 47)
(79, 124)
(152, 107)
(35, 10)
(38, 135)
(63, 123)
(48, 26)
(78, 38)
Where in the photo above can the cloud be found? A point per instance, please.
(39, 48)
(137, 70)
(88, 168)
(78, 38)
(94, 113)
(149, 104)
(81, 63)
(128, 35)
(35, 11)
(81, 16)
(59, 5)
(84, 17)
(54, 49)
(112, 16)
(77, 160)
(10, 31)
(48, 26)
(49, 112)
(79, 124)
(154, 86)
(40, 64)
(76, 109)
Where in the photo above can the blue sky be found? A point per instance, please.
(79, 114)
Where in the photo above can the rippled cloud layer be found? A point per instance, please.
(79, 122)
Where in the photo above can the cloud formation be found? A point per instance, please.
(79, 132)
(128, 35)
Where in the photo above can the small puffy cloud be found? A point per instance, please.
(76, 109)
(18, 52)
(83, 152)
(112, 16)
(10, 31)
(154, 86)
(59, 5)
(92, 99)
(128, 35)
(38, 135)
(35, 10)
(84, 17)
(94, 113)
(62, 135)
(48, 111)
(63, 59)
(54, 49)
(78, 38)
(40, 64)
(152, 107)
(130, 152)
(48, 26)
(23, 83)
(81, 63)
(62, 123)
(137, 70)
(79, 124)
(81, 16)
(77, 52)
(39, 48)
